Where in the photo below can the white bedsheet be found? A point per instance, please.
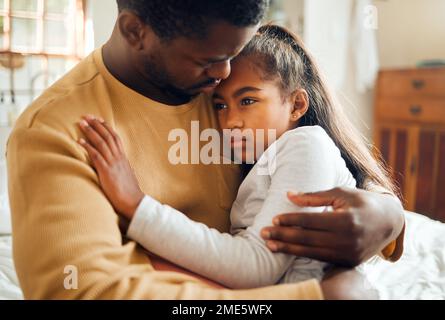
(420, 274)
(9, 285)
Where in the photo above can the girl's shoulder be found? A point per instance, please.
(307, 153)
(303, 144)
(307, 130)
(308, 137)
(310, 149)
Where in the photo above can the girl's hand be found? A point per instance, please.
(107, 155)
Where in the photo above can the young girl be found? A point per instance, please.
(274, 85)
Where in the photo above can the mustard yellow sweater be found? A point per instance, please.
(63, 222)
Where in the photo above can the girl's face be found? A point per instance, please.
(246, 101)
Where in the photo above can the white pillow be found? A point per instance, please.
(5, 215)
(5, 222)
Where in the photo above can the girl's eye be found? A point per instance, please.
(247, 102)
(220, 106)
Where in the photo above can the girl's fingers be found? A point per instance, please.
(104, 132)
(97, 160)
(96, 141)
(115, 136)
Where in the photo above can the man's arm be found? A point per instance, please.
(363, 224)
(67, 243)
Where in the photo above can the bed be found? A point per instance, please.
(9, 287)
(420, 274)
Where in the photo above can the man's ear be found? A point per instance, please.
(300, 100)
(132, 28)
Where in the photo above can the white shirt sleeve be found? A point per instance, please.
(306, 161)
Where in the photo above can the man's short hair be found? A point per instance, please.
(191, 18)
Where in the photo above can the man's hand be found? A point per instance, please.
(360, 226)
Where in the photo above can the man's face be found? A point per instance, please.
(189, 66)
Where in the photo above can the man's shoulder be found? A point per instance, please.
(64, 100)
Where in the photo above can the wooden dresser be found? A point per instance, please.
(410, 134)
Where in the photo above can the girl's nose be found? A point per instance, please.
(234, 119)
(220, 70)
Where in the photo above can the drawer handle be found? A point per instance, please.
(415, 110)
(418, 84)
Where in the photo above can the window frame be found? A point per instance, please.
(77, 19)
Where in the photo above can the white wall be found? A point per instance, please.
(327, 33)
(103, 14)
(408, 31)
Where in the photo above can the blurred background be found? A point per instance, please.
(384, 59)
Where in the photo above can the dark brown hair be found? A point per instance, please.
(282, 55)
(191, 18)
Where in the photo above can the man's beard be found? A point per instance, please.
(158, 75)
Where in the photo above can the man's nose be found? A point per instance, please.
(220, 70)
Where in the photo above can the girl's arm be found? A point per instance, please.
(241, 261)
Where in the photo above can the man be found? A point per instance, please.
(146, 81)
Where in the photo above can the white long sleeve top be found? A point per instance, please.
(301, 160)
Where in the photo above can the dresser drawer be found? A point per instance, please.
(412, 83)
(413, 110)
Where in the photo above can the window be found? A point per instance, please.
(40, 40)
(53, 27)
